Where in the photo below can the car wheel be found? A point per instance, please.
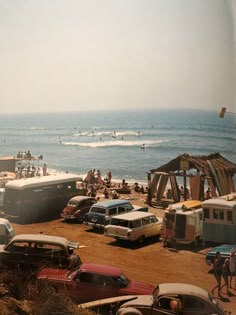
(141, 239)
(197, 241)
(129, 311)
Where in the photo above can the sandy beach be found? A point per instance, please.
(149, 262)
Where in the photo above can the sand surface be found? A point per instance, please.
(149, 262)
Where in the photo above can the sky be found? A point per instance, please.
(80, 55)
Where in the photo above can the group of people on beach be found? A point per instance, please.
(225, 269)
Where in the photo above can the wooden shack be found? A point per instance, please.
(194, 172)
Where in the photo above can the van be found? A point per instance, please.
(100, 213)
(187, 217)
(219, 219)
(134, 226)
(6, 231)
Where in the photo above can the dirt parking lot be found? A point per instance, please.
(149, 262)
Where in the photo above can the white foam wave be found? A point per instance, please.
(32, 128)
(108, 133)
(115, 143)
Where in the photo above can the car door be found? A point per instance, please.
(88, 286)
(16, 252)
(194, 305)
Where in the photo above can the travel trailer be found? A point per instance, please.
(219, 219)
(187, 218)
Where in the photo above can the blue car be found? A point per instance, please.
(224, 250)
(101, 213)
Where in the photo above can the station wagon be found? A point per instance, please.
(100, 213)
(134, 226)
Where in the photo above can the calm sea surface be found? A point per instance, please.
(113, 141)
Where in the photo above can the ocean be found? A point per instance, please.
(127, 143)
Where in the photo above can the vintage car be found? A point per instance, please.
(77, 207)
(225, 251)
(134, 226)
(91, 282)
(6, 231)
(36, 250)
(100, 213)
(173, 298)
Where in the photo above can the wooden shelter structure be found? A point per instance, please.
(194, 171)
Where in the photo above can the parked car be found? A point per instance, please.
(36, 250)
(91, 282)
(134, 226)
(173, 298)
(225, 251)
(100, 213)
(6, 231)
(77, 207)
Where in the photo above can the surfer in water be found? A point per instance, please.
(143, 146)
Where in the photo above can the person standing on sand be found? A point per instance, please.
(44, 169)
(232, 267)
(225, 274)
(217, 266)
(168, 232)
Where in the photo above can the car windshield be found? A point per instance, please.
(155, 293)
(98, 210)
(122, 281)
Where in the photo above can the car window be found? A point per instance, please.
(153, 219)
(145, 221)
(18, 246)
(112, 211)
(129, 206)
(49, 249)
(73, 203)
(136, 223)
(86, 277)
(98, 210)
(195, 303)
(122, 209)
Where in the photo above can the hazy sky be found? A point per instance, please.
(72, 55)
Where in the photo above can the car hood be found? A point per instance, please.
(146, 300)
(53, 273)
(223, 249)
(136, 287)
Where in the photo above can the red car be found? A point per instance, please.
(92, 282)
(77, 207)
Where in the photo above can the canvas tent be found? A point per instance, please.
(195, 172)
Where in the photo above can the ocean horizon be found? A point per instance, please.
(127, 143)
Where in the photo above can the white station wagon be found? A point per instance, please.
(134, 226)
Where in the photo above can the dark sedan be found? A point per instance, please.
(36, 250)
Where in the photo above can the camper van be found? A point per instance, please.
(219, 219)
(187, 218)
